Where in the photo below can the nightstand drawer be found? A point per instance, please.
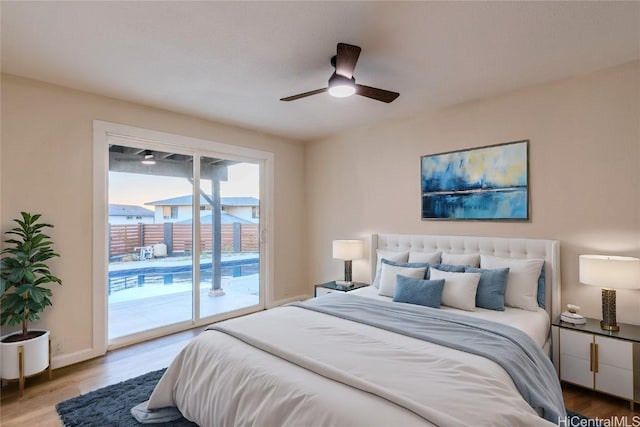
(333, 286)
(576, 370)
(614, 352)
(575, 344)
(616, 381)
(324, 291)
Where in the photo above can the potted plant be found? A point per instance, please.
(23, 272)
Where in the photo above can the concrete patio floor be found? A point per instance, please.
(152, 306)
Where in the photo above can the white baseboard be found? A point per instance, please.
(288, 300)
(69, 359)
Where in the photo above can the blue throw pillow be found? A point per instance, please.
(491, 288)
(420, 292)
(409, 265)
(541, 288)
(447, 267)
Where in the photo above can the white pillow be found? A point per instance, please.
(395, 256)
(430, 257)
(461, 259)
(389, 275)
(459, 288)
(522, 282)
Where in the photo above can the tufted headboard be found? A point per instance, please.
(549, 250)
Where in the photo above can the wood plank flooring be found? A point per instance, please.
(37, 407)
(596, 405)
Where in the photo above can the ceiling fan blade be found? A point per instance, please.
(346, 59)
(304, 95)
(377, 94)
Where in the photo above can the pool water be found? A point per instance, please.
(126, 279)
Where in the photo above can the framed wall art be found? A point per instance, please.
(484, 183)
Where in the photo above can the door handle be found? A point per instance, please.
(593, 357)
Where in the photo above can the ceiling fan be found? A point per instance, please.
(342, 83)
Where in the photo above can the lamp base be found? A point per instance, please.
(347, 270)
(611, 328)
(608, 322)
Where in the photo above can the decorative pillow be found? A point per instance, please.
(418, 291)
(459, 288)
(389, 273)
(443, 267)
(472, 260)
(491, 288)
(402, 256)
(407, 264)
(522, 282)
(430, 257)
(447, 267)
(541, 288)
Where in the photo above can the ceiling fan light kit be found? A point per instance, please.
(341, 87)
(342, 83)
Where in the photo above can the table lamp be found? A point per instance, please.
(347, 250)
(610, 273)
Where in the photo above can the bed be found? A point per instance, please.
(360, 359)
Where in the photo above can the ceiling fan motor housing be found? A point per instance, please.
(337, 80)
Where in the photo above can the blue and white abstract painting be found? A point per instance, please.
(481, 184)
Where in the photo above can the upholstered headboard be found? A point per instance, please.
(549, 250)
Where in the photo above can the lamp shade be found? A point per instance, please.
(347, 249)
(610, 271)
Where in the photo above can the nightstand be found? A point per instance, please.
(608, 362)
(327, 288)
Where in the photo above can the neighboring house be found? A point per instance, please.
(243, 207)
(130, 214)
(224, 219)
(178, 209)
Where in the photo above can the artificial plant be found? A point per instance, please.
(23, 272)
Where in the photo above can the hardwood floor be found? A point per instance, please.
(37, 407)
(596, 405)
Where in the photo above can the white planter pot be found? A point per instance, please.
(36, 356)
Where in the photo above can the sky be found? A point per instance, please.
(136, 189)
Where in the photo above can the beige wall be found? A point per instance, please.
(584, 162)
(584, 167)
(47, 140)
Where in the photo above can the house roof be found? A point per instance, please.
(128, 210)
(224, 201)
(224, 219)
(239, 201)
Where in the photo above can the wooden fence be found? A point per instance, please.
(124, 238)
(151, 234)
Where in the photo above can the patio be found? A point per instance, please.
(154, 305)
(134, 311)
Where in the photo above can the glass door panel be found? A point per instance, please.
(150, 283)
(229, 236)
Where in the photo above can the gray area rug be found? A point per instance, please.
(110, 406)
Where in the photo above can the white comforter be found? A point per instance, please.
(329, 371)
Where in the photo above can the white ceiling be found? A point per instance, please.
(232, 61)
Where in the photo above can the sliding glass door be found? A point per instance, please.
(229, 236)
(183, 239)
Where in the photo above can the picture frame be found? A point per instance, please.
(482, 183)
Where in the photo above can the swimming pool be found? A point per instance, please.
(177, 274)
